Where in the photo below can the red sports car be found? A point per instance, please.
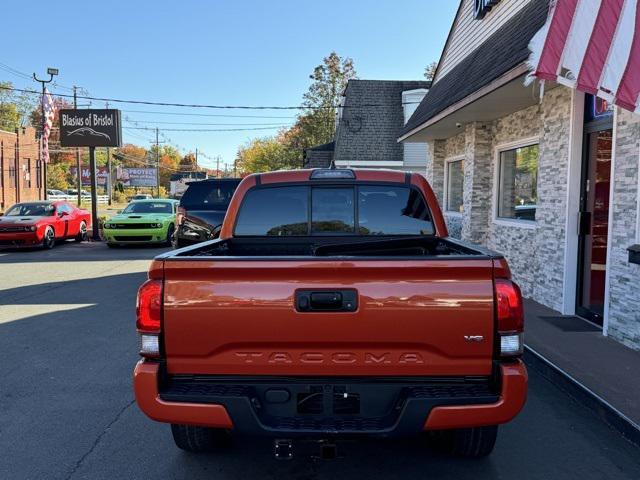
(43, 223)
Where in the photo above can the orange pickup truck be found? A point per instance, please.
(332, 304)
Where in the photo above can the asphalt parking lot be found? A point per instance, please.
(67, 350)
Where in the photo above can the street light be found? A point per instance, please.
(51, 72)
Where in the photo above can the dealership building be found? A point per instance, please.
(544, 172)
(21, 173)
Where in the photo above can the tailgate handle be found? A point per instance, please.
(326, 300)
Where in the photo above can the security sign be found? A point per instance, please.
(90, 128)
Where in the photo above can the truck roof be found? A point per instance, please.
(284, 176)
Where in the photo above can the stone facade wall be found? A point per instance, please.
(536, 252)
(454, 225)
(624, 280)
(477, 189)
(437, 152)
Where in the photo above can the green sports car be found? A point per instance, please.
(141, 222)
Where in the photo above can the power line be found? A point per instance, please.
(222, 107)
(154, 122)
(26, 76)
(207, 114)
(211, 129)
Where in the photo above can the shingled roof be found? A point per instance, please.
(501, 52)
(372, 119)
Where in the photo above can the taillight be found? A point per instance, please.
(148, 315)
(180, 216)
(510, 316)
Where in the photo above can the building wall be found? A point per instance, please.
(533, 251)
(371, 122)
(538, 253)
(20, 175)
(468, 33)
(318, 159)
(624, 277)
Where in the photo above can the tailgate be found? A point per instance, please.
(422, 317)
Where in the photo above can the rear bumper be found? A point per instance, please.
(145, 384)
(420, 406)
(189, 234)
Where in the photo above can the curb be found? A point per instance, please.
(583, 395)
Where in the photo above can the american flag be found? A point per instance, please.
(593, 46)
(49, 114)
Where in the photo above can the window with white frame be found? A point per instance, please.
(455, 186)
(518, 183)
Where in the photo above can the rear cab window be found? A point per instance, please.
(207, 195)
(355, 209)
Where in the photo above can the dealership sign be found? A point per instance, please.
(137, 177)
(90, 128)
(482, 7)
(102, 174)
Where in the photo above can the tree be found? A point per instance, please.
(330, 78)
(265, 155)
(131, 155)
(58, 176)
(169, 162)
(14, 107)
(430, 71)
(188, 163)
(315, 125)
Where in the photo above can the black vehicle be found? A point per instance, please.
(202, 209)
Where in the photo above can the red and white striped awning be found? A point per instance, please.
(594, 46)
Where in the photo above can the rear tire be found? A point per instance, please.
(82, 233)
(49, 240)
(474, 442)
(200, 439)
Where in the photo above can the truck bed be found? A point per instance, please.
(327, 247)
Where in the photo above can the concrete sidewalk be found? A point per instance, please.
(599, 372)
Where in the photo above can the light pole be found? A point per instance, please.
(51, 72)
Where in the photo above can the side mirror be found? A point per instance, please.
(63, 214)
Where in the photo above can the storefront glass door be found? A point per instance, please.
(594, 224)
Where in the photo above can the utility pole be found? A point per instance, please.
(158, 142)
(109, 176)
(78, 165)
(94, 195)
(51, 72)
(196, 159)
(217, 166)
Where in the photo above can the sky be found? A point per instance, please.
(217, 52)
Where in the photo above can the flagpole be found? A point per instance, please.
(51, 72)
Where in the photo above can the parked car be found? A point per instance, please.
(51, 191)
(333, 303)
(141, 196)
(43, 223)
(74, 192)
(201, 210)
(142, 221)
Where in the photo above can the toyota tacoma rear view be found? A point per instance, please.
(332, 305)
